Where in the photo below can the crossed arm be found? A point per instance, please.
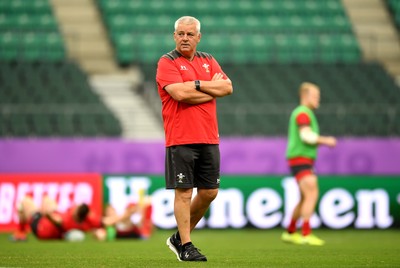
(186, 92)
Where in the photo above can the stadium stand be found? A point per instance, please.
(276, 30)
(29, 31)
(51, 99)
(267, 47)
(358, 99)
(42, 94)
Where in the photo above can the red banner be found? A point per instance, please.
(66, 189)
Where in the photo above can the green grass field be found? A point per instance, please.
(223, 248)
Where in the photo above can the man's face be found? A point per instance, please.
(313, 97)
(186, 39)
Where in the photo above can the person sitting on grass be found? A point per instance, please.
(122, 226)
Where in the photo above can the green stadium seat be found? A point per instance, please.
(27, 21)
(47, 22)
(208, 22)
(339, 23)
(25, 27)
(24, 21)
(116, 6)
(223, 19)
(8, 40)
(109, 126)
(20, 6)
(19, 125)
(5, 22)
(43, 96)
(42, 125)
(119, 23)
(179, 6)
(64, 125)
(126, 57)
(394, 7)
(3, 126)
(274, 23)
(87, 125)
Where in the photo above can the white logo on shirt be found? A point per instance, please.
(205, 66)
(183, 67)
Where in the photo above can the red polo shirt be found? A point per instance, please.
(187, 123)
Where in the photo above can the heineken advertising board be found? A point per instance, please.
(267, 201)
(243, 201)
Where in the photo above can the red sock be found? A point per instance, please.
(148, 212)
(292, 226)
(147, 225)
(22, 227)
(306, 228)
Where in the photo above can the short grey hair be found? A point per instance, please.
(188, 20)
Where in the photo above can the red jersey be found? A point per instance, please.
(47, 229)
(187, 123)
(68, 222)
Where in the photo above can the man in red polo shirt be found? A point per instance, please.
(189, 82)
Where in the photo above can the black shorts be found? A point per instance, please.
(299, 171)
(34, 222)
(192, 165)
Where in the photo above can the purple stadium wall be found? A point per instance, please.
(238, 156)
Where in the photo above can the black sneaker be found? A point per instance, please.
(191, 253)
(175, 245)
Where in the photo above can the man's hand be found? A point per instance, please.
(331, 141)
(327, 140)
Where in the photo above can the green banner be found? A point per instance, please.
(267, 201)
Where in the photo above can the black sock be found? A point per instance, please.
(186, 245)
